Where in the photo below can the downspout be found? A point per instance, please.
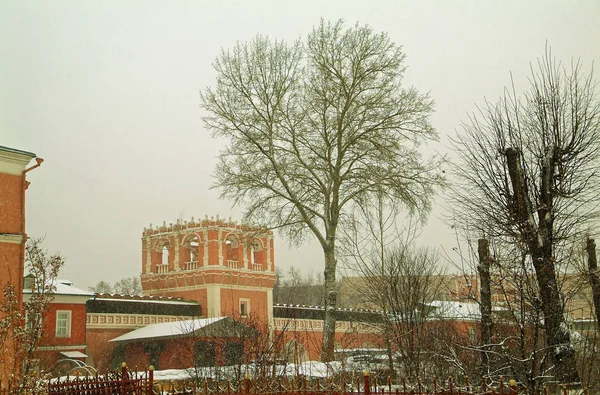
(24, 185)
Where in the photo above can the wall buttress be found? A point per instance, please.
(176, 261)
(246, 266)
(220, 240)
(205, 257)
(269, 261)
(148, 255)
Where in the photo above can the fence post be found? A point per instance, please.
(123, 375)
(435, 385)
(450, 385)
(150, 379)
(367, 382)
(247, 383)
(513, 386)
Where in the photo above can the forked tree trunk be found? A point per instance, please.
(593, 277)
(327, 351)
(485, 296)
(536, 229)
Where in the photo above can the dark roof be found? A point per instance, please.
(144, 306)
(318, 313)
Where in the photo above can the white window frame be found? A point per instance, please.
(31, 319)
(68, 323)
(247, 302)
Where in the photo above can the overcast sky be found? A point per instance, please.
(107, 93)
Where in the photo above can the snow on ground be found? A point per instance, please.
(312, 369)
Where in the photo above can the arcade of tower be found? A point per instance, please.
(227, 267)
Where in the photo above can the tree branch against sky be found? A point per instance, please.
(315, 127)
(528, 172)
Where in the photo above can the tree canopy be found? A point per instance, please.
(315, 127)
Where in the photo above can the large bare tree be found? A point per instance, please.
(315, 127)
(527, 170)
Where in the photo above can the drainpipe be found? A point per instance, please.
(24, 185)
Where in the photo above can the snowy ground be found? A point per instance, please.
(309, 369)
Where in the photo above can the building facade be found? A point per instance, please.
(13, 184)
(226, 267)
(63, 325)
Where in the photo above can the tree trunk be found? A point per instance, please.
(593, 277)
(557, 332)
(327, 351)
(485, 295)
(536, 229)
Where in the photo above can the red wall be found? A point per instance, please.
(12, 221)
(11, 204)
(99, 350)
(77, 325)
(230, 303)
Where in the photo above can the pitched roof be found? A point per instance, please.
(452, 310)
(64, 287)
(210, 327)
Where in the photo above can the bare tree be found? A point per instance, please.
(293, 287)
(128, 286)
(316, 127)
(395, 277)
(21, 326)
(102, 287)
(410, 282)
(527, 170)
(125, 286)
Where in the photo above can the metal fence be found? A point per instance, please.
(126, 382)
(364, 385)
(119, 382)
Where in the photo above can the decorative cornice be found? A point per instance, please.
(14, 161)
(125, 321)
(61, 348)
(11, 238)
(308, 325)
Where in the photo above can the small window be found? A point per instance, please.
(244, 307)
(205, 354)
(32, 320)
(472, 335)
(63, 323)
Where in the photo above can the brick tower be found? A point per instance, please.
(227, 267)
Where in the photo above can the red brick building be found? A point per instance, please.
(227, 270)
(13, 184)
(111, 316)
(64, 324)
(226, 267)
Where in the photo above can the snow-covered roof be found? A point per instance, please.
(322, 308)
(161, 301)
(168, 329)
(65, 287)
(446, 309)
